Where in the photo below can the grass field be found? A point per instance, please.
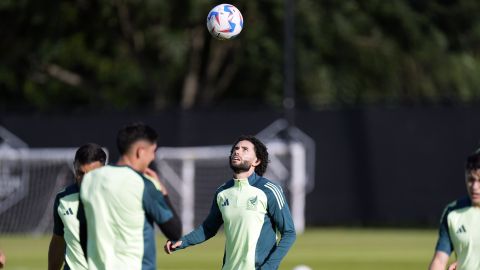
(329, 249)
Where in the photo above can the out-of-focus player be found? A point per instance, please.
(460, 225)
(122, 204)
(65, 244)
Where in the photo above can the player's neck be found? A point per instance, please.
(127, 161)
(243, 175)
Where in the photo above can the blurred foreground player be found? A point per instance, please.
(2, 259)
(460, 225)
(122, 204)
(65, 244)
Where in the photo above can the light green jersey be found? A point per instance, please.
(243, 208)
(252, 212)
(120, 207)
(460, 232)
(67, 225)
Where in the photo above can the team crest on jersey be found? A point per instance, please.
(252, 203)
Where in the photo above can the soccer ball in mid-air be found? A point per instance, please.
(224, 22)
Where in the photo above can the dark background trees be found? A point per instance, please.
(154, 55)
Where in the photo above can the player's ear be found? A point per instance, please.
(138, 152)
(256, 162)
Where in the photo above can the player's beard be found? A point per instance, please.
(244, 166)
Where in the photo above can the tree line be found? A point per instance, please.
(155, 55)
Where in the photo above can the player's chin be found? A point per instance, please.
(235, 162)
(475, 198)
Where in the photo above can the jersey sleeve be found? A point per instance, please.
(57, 221)
(82, 232)
(444, 242)
(154, 203)
(278, 210)
(207, 229)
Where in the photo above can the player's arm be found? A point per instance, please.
(82, 232)
(156, 206)
(56, 249)
(278, 209)
(56, 252)
(439, 261)
(3, 259)
(172, 229)
(444, 246)
(453, 266)
(205, 231)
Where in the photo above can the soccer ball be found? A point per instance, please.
(302, 267)
(224, 22)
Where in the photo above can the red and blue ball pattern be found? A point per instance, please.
(224, 22)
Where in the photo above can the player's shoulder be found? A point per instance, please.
(458, 204)
(68, 190)
(272, 190)
(228, 184)
(115, 171)
(268, 185)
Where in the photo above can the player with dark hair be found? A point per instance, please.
(65, 245)
(460, 225)
(251, 208)
(122, 204)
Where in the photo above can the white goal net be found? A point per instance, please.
(29, 180)
(193, 174)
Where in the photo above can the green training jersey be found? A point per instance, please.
(121, 206)
(252, 211)
(66, 223)
(460, 233)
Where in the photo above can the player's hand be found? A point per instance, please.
(2, 259)
(170, 246)
(152, 174)
(453, 266)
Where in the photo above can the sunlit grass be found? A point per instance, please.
(329, 249)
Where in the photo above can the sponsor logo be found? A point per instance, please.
(461, 230)
(225, 203)
(68, 212)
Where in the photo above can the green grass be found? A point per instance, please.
(329, 249)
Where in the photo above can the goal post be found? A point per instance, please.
(193, 174)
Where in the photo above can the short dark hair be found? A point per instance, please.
(261, 152)
(88, 153)
(473, 161)
(132, 133)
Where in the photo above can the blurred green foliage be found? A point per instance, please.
(131, 54)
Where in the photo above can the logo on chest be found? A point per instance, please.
(225, 203)
(252, 203)
(461, 230)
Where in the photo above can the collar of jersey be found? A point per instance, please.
(252, 179)
(124, 166)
